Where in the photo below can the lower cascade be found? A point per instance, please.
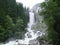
(30, 35)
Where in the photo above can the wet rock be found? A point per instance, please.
(33, 42)
(29, 36)
(16, 40)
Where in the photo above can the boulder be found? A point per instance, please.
(33, 42)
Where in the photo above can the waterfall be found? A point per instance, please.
(29, 35)
(30, 31)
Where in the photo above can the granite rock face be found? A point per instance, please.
(39, 19)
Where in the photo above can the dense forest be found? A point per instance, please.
(50, 9)
(13, 19)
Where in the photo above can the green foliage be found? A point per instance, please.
(13, 20)
(1, 33)
(50, 10)
(43, 37)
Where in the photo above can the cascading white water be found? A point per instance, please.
(30, 31)
(29, 35)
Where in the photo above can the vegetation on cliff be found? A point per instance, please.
(50, 9)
